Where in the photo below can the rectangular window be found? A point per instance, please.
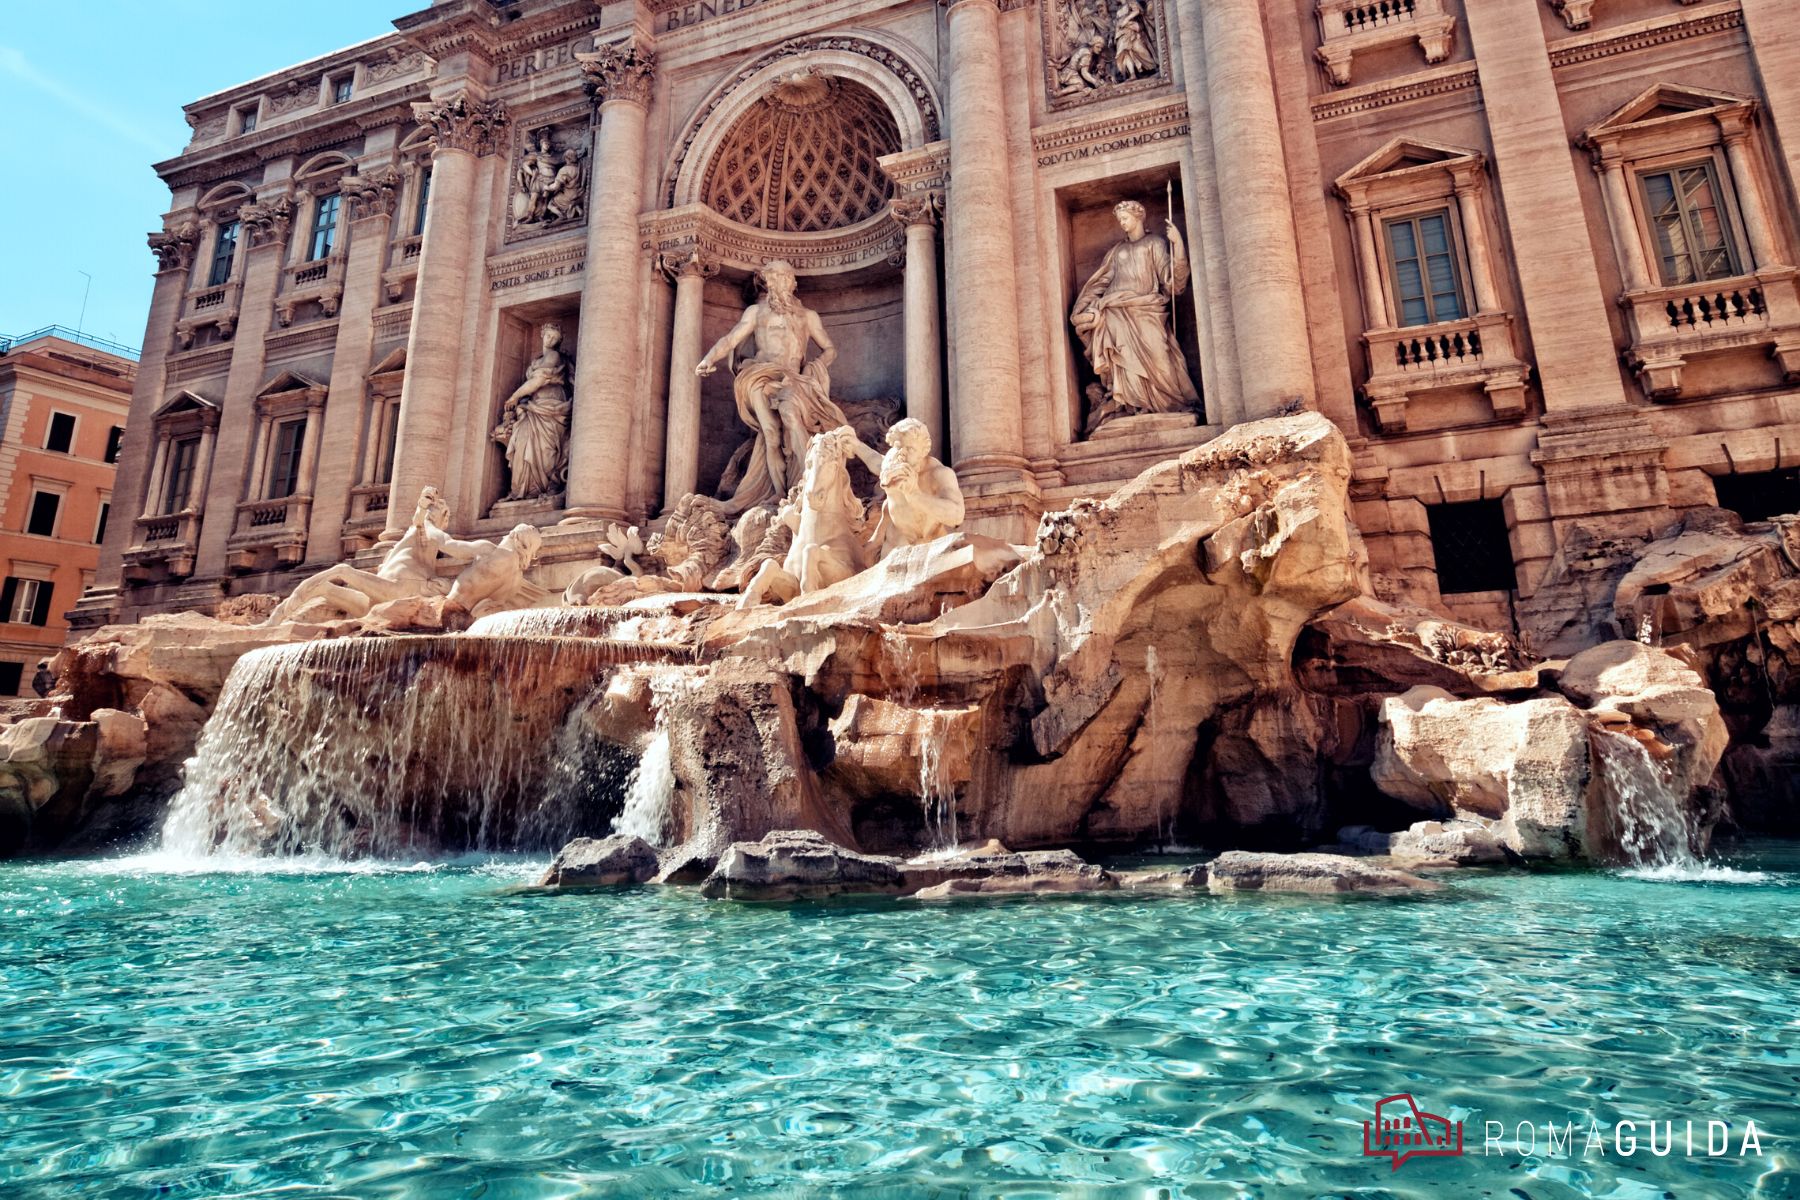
(181, 474)
(324, 228)
(390, 433)
(1427, 285)
(115, 438)
(12, 677)
(1687, 217)
(100, 527)
(284, 465)
(424, 195)
(247, 119)
(61, 435)
(342, 88)
(1470, 544)
(25, 601)
(44, 507)
(224, 254)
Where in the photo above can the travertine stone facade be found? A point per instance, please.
(1539, 255)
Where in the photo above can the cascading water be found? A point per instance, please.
(399, 747)
(650, 795)
(1648, 814)
(937, 793)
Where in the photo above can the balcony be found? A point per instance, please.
(1671, 325)
(215, 306)
(321, 280)
(403, 267)
(269, 534)
(1477, 352)
(368, 517)
(1351, 27)
(163, 544)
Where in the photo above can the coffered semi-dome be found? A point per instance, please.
(803, 158)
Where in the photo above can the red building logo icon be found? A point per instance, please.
(1400, 1131)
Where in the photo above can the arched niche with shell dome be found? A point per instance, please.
(783, 160)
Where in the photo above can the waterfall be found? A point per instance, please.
(401, 746)
(1649, 816)
(650, 794)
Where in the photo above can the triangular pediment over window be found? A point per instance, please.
(1664, 101)
(1407, 154)
(185, 401)
(394, 361)
(289, 381)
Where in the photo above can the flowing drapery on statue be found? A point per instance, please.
(534, 424)
(783, 399)
(1122, 318)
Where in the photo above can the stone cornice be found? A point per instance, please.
(1659, 31)
(1439, 81)
(697, 227)
(454, 25)
(229, 159)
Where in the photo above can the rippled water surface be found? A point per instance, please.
(431, 1032)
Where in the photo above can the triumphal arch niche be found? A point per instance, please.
(816, 154)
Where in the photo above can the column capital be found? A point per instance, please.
(174, 248)
(917, 208)
(373, 195)
(686, 258)
(267, 223)
(463, 122)
(623, 71)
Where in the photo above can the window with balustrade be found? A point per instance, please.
(178, 488)
(1421, 225)
(284, 466)
(1703, 263)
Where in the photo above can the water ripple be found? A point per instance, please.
(270, 1029)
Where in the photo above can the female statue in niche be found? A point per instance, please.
(1122, 318)
(534, 423)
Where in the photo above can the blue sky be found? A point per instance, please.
(93, 91)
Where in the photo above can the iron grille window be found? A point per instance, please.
(1470, 545)
(1759, 495)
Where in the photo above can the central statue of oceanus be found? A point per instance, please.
(781, 397)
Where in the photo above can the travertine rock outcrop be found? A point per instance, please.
(601, 862)
(1249, 871)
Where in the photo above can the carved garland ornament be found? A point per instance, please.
(463, 123)
(896, 65)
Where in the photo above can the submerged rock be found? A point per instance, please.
(795, 863)
(602, 862)
(1248, 871)
(1004, 873)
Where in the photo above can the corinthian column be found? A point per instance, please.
(465, 129)
(918, 215)
(609, 357)
(985, 417)
(1262, 256)
(690, 268)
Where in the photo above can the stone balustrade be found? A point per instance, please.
(320, 280)
(165, 543)
(1351, 27)
(215, 306)
(1476, 352)
(269, 533)
(1671, 325)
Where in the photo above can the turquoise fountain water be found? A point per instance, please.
(432, 1032)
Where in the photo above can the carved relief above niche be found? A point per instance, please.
(548, 187)
(1101, 49)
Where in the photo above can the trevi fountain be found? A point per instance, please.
(805, 839)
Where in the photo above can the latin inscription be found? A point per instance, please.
(692, 14)
(547, 59)
(513, 281)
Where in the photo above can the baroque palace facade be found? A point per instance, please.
(1537, 258)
